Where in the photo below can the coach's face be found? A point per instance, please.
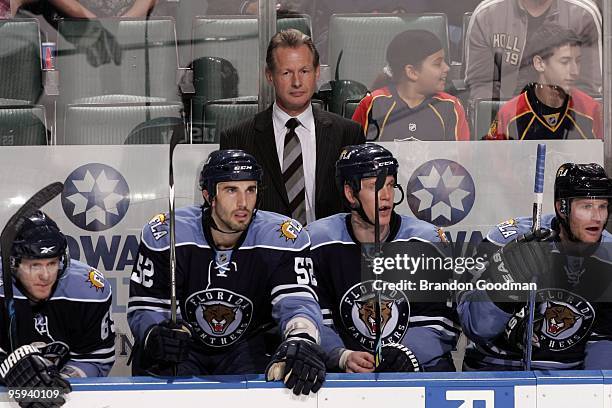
(234, 204)
(294, 78)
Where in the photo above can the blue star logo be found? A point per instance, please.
(441, 192)
(96, 197)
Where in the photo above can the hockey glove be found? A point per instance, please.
(26, 367)
(516, 327)
(300, 362)
(396, 358)
(520, 261)
(168, 342)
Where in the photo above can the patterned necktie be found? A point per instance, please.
(293, 172)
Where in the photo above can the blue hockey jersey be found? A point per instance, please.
(78, 313)
(573, 323)
(429, 329)
(228, 296)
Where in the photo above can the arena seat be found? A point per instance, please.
(99, 124)
(349, 107)
(22, 125)
(363, 40)
(485, 113)
(20, 64)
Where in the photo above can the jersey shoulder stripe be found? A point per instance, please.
(418, 230)
(156, 233)
(275, 231)
(329, 230)
(511, 229)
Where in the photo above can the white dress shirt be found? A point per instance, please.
(308, 143)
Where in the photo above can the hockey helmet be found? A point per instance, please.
(576, 181)
(362, 161)
(228, 165)
(39, 238)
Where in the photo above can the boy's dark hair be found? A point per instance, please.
(410, 47)
(546, 39)
(291, 38)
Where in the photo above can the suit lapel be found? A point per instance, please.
(322, 137)
(265, 143)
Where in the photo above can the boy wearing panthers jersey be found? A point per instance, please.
(414, 335)
(239, 271)
(550, 106)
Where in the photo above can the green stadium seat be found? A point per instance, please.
(20, 65)
(235, 39)
(22, 125)
(349, 107)
(485, 113)
(363, 40)
(148, 65)
(97, 124)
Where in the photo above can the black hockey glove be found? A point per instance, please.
(300, 362)
(520, 261)
(397, 358)
(27, 368)
(516, 327)
(167, 342)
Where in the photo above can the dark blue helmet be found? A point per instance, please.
(39, 238)
(579, 181)
(228, 165)
(361, 161)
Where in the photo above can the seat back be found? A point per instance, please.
(485, 114)
(221, 114)
(363, 40)
(91, 124)
(148, 59)
(22, 125)
(20, 65)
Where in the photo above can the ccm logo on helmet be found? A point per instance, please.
(387, 163)
(243, 167)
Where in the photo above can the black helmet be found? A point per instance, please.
(579, 180)
(361, 161)
(39, 238)
(228, 165)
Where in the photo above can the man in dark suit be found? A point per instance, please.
(296, 144)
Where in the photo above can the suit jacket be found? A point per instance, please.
(256, 136)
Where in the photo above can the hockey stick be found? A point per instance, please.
(381, 177)
(538, 190)
(177, 136)
(10, 231)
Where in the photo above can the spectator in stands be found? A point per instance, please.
(291, 129)
(5, 9)
(413, 104)
(550, 106)
(500, 30)
(103, 8)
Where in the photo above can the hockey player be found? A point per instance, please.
(573, 322)
(239, 271)
(63, 313)
(550, 106)
(414, 335)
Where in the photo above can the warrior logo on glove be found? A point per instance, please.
(357, 309)
(222, 316)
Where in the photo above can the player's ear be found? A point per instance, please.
(538, 63)
(205, 196)
(348, 193)
(558, 208)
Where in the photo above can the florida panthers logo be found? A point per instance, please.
(566, 319)
(367, 314)
(358, 313)
(559, 318)
(219, 316)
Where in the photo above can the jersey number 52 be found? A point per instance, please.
(304, 271)
(143, 272)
